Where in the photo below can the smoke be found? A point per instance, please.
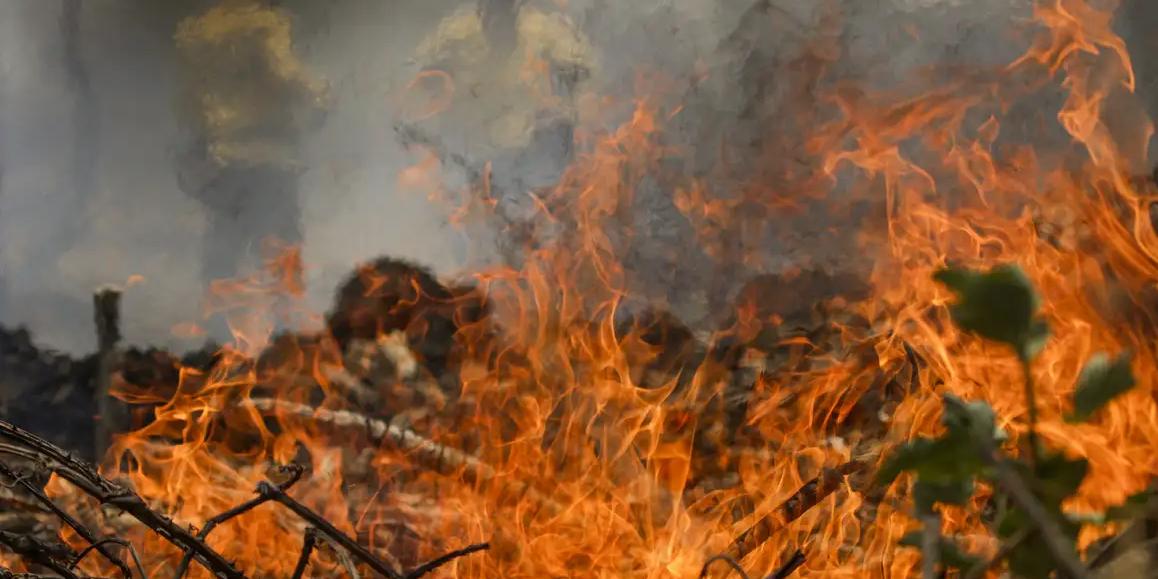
(88, 194)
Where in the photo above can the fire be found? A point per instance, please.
(585, 467)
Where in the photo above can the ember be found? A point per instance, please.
(642, 383)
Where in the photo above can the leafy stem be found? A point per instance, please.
(1031, 409)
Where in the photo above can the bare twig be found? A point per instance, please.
(308, 544)
(343, 557)
(788, 568)
(19, 442)
(728, 560)
(433, 564)
(326, 529)
(107, 313)
(68, 519)
(295, 474)
(115, 541)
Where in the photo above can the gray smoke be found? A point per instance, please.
(88, 194)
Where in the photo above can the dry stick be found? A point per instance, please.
(350, 546)
(32, 549)
(115, 541)
(106, 309)
(788, 568)
(68, 520)
(324, 527)
(308, 544)
(343, 557)
(295, 474)
(728, 560)
(433, 564)
(19, 442)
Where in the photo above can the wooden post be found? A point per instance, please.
(107, 314)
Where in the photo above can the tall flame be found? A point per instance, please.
(612, 473)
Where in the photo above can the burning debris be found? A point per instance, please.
(574, 411)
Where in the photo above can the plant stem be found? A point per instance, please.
(1052, 535)
(1031, 408)
(930, 545)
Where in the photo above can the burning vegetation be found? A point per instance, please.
(974, 397)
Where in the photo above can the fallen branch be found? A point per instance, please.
(417, 448)
(19, 442)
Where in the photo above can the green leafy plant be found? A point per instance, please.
(1038, 538)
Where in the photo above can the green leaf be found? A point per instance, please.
(1136, 505)
(935, 460)
(950, 553)
(955, 491)
(1000, 305)
(1053, 479)
(1101, 381)
(974, 420)
(1058, 478)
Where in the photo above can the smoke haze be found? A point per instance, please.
(88, 194)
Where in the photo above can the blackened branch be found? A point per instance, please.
(274, 493)
(447, 558)
(785, 570)
(295, 474)
(32, 489)
(112, 541)
(789, 567)
(311, 541)
(727, 560)
(19, 442)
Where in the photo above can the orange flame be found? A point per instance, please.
(614, 476)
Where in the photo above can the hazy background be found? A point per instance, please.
(87, 130)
